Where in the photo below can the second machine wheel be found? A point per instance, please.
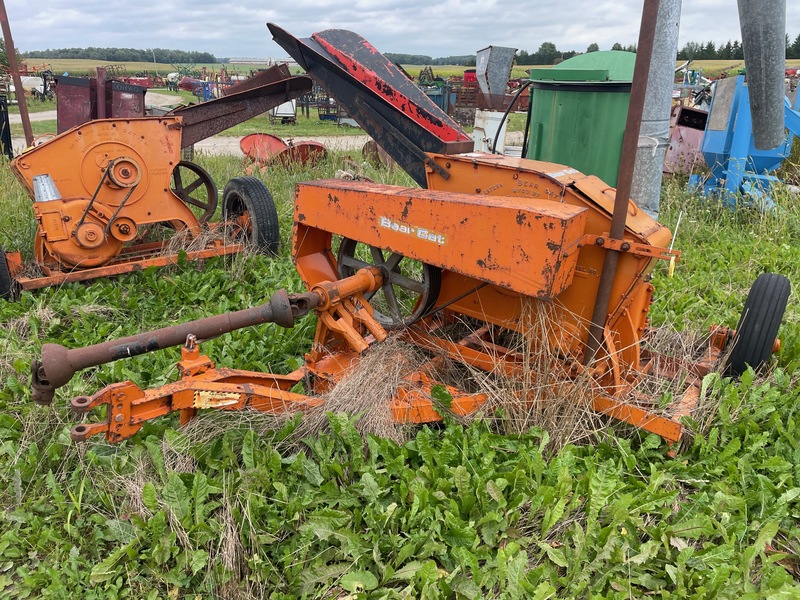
(192, 184)
(758, 325)
(410, 287)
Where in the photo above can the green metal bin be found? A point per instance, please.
(578, 111)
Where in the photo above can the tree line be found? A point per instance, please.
(547, 54)
(466, 60)
(729, 51)
(159, 55)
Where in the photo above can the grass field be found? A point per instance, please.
(237, 507)
(80, 67)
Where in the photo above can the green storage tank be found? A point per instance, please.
(578, 111)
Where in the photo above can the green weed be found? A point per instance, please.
(456, 512)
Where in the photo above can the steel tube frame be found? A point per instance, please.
(14, 66)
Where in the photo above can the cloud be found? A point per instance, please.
(448, 27)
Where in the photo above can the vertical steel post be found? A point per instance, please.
(12, 63)
(763, 24)
(644, 51)
(101, 94)
(654, 132)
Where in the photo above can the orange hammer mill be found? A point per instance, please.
(454, 268)
(102, 190)
(376, 257)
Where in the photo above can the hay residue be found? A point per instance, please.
(539, 394)
(366, 392)
(187, 241)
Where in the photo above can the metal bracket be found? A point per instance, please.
(635, 248)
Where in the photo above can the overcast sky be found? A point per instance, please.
(451, 27)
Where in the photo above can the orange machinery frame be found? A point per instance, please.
(114, 178)
(500, 231)
(118, 177)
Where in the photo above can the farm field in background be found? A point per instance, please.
(238, 506)
(310, 126)
(81, 67)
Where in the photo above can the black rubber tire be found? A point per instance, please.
(249, 194)
(8, 288)
(432, 276)
(758, 326)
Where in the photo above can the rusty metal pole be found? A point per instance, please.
(644, 51)
(101, 92)
(58, 364)
(12, 63)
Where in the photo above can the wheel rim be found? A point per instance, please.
(237, 215)
(194, 186)
(410, 287)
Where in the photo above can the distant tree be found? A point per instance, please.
(546, 54)
(737, 52)
(454, 60)
(690, 51)
(523, 58)
(724, 52)
(795, 48)
(567, 54)
(617, 46)
(592, 48)
(4, 56)
(125, 55)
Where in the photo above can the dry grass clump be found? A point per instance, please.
(366, 392)
(669, 349)
(186, 241)
(208, 425)
(227, 550)
(674, 350)
(228, 234)
(32, 269)
(133, 485)
(230, 550)
(539, 394)
(21, 326)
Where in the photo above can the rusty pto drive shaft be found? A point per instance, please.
(58, 364)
